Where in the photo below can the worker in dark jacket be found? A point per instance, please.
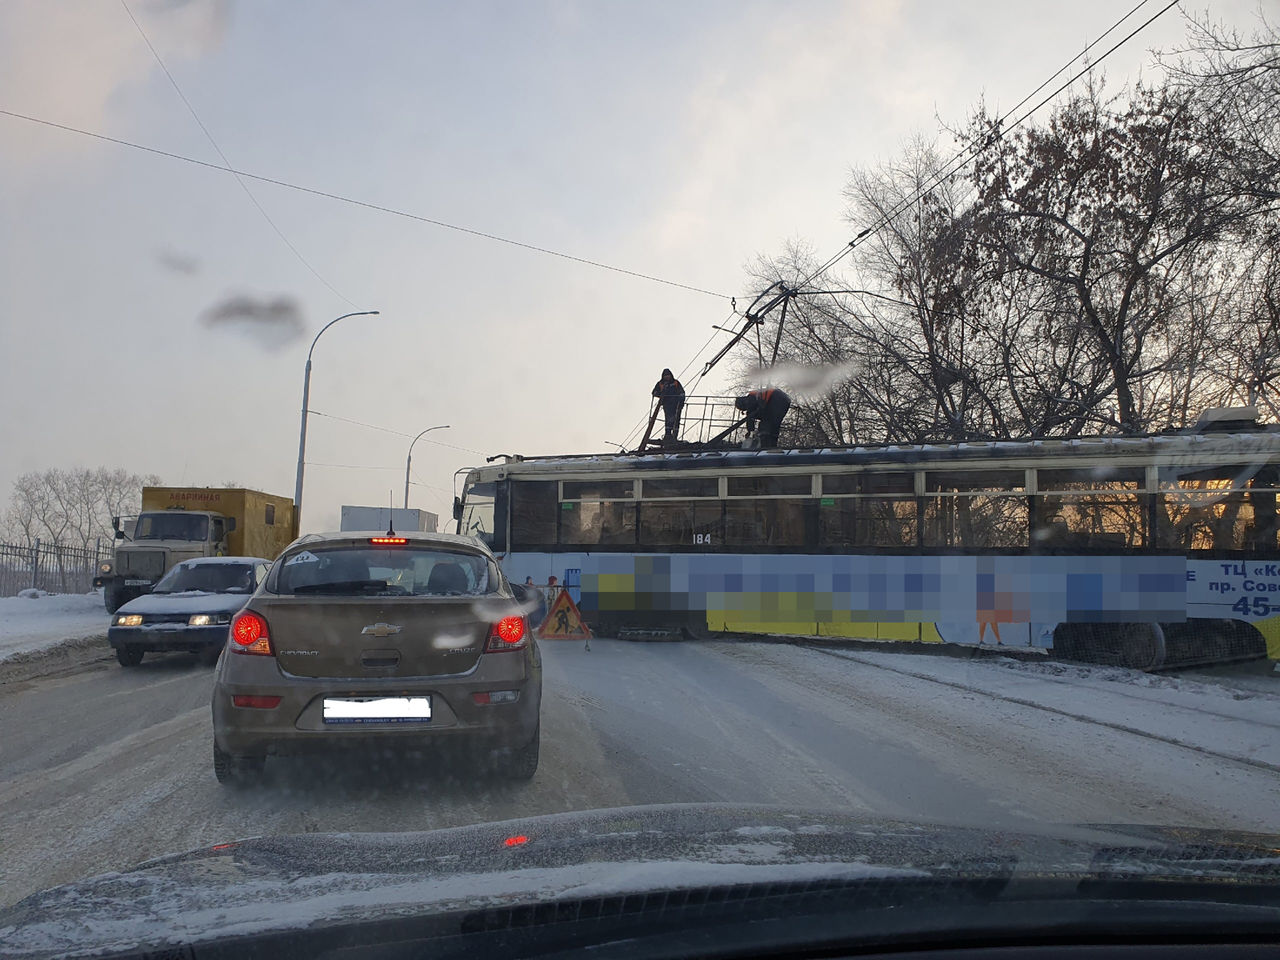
(768, 407)
(670, 395)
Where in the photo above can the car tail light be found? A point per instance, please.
(249, 633)
(389, 541)
(509, 633)
(257, 701)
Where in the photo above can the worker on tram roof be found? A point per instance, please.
(670, 395)
(768, 407)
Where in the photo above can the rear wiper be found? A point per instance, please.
(342, 586)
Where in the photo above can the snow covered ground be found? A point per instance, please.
(1225, 718)
(31, 623)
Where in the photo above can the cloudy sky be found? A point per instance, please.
(151, 316)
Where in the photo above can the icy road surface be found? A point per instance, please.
(102, 767)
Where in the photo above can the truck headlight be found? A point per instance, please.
(104, 567)
(208, 619)
(129, 620)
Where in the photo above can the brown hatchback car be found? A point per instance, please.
(373, 641)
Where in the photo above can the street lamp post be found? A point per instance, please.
(409, 459)
(302, 433)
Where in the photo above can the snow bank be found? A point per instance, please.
(39, 620)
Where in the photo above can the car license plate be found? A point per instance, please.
(377, 709)
(137, 583)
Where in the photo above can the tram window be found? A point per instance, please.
(1091, 521)
(598, 490)
(1206, 510)
(873, 483)
(976, 521)
(534, 508)
(889, 522)
(680, 487)
(975, 480)
(598, 522)
(764, 523)
(838, 521)
(867, 522)
(478, 512)
(1091, 478)
(675, 523)
(787, 485)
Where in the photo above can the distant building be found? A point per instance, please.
(386, 518)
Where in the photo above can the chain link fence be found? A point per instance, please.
(52, 567)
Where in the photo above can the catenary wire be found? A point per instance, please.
(368, 205)
(217, 149)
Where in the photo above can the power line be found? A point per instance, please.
(407, 436)
(350, 466)
(972, 150)
(361, 203)
(209, 136)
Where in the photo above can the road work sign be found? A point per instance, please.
(564, 621)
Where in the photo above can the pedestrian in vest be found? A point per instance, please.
(766, 407)
(670, 395)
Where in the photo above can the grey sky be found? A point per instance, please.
(671, 138)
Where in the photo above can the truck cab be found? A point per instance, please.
(159, 540)
(181, 523)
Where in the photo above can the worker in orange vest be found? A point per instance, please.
(768, 407)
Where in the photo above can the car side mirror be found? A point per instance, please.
(457, 508)
(119, 534)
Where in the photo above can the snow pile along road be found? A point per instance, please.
(31, 623)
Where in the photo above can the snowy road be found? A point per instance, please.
(102, 767)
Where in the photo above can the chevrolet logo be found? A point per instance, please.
(380, 630)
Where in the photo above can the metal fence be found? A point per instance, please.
(50, 566)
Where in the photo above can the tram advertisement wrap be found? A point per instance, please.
(1005, 600)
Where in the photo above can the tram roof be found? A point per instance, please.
(1204, 447)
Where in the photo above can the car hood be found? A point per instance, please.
(252, 886)
(189, 601)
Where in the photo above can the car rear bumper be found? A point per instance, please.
(174, 636)
(297, 725)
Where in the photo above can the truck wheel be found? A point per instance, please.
(236, 771)
(129, 656)
(113, 598)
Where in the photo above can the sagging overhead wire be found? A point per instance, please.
(380, 208)
(965, 155)
(217, 149)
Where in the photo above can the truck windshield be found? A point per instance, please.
(209, 577)
(172, 526)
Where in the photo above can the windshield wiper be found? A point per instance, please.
(342, 586)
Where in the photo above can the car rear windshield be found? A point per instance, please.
(410, 571)
(209, 577)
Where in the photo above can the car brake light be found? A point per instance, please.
(509, 633)
(258, 701)
(249, 633)
(389, 541)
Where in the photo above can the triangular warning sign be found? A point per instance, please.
(564, 621)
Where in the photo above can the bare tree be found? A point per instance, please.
(73, 507)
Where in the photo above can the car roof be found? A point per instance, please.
(416, 536)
